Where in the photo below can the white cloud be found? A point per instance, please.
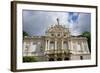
(84, 24)
(37, 22)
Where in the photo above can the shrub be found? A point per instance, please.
(29, 59)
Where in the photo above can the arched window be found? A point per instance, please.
(52, 34)
(58, 34)
(64, 34)
(51, 59)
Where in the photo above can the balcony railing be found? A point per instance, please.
(67, 51)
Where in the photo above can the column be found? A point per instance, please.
(71, 46)
(82, 50)
(48, 44)
(62, 44)
(55, 44)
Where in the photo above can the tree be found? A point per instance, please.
(25, 34)
(88, 36)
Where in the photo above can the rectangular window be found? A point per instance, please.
(65, 45)
(79, 46)
(86, 47)
(51, 45)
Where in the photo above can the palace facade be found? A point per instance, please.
(56, 45)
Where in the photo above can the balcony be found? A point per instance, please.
(57, 51)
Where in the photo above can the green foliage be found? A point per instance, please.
(88, 36)
(25, 34)
(29, 59)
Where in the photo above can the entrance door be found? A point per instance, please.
(51, 59)
(66, 58)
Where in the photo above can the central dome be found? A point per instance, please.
(58, 28)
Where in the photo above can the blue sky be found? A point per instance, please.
(37, 22)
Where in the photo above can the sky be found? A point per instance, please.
(35, 23)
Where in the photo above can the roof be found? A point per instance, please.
(58, 28)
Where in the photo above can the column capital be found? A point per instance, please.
(55, 39)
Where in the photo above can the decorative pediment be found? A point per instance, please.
(58, 28)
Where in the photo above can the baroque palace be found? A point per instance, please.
(57, 45)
